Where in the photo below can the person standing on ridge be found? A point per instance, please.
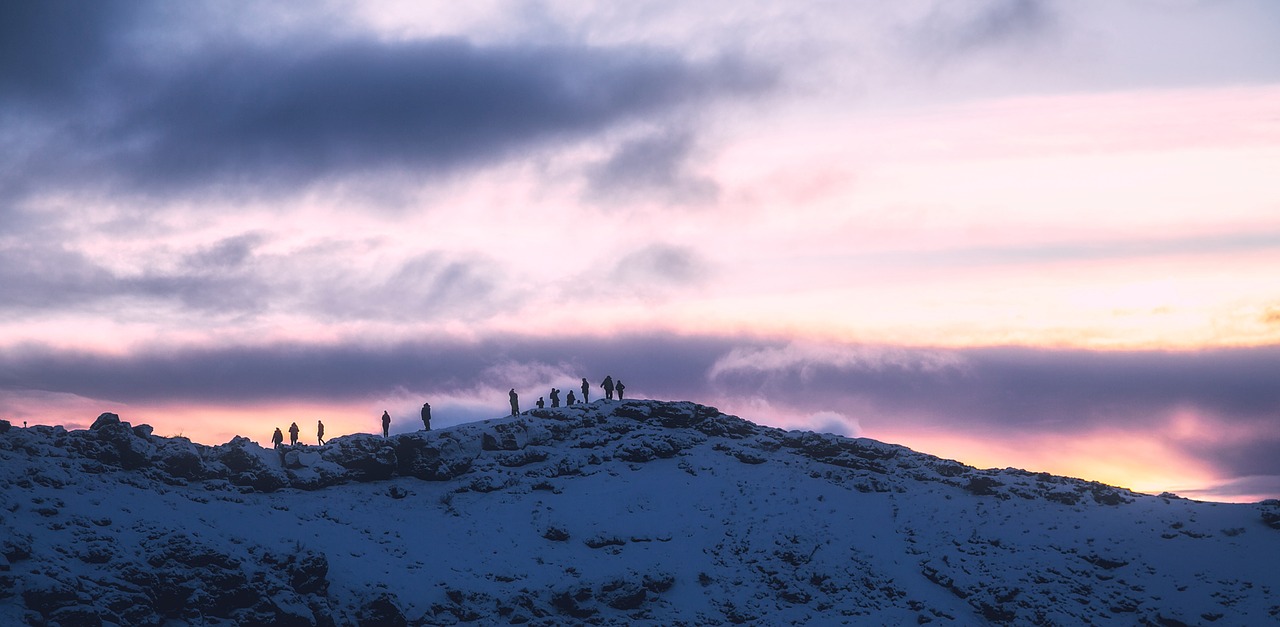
(426, 416)
(293, 434)
(555, 397)
(540, 404)
(320, 431)
(607, 384)
(619, 387)
(515, 402)
(571, 398)
(277, 438)
(386, 423)
(586, 389)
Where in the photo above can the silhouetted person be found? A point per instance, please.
(540, 404)
(320, 432)
(426, 416)
(619, 387)
(515, 402)
(572, 399)
(586, 390)
(277, 438)
(607, 384)
(555, 397)
(293, 434)
(386, 423)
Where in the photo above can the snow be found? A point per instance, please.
(633, 512)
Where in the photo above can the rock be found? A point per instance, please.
(104, 419)
(78, 615)
(45, 594)
(982, 486)
(134, 452)
(365, 457)
(4, 426)
(180, 457)
(623, 595)
(143, 431)
(434, 456)
(512, 436)
(381, 611)
(310, 574)
(250, 465)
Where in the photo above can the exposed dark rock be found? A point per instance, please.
(4, 426)
(310, 574)
(982, 486)
(434, 456)
(555, 534)
(575, 603)
(104, 419)
(382, 611)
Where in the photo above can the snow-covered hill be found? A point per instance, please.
(635, 512)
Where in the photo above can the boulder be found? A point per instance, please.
(436, 456)
(104, 419)
(382, 611)
(365, 457)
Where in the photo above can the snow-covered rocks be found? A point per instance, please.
(632, 512)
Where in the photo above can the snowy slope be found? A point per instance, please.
(635, 512)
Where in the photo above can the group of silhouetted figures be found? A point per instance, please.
(277, 438)
(608, 385)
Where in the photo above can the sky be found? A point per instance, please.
(1017, 233)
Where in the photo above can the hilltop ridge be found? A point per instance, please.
(629, 512)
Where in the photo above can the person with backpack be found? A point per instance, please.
(293, 434)
(607, 384)
(426, 416)
(386, 423)
(586, 389)
(619, 387)
(277, 438)
(320, 432)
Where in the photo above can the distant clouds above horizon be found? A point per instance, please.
(314, 197)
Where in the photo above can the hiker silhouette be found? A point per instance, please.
(586, 390)
(540, 404)
(426, 416)
(571, 398)
(320, 431)
(277, 438)
(386, 423)
(555, 397)
(293, 434)
(515, 402)
(607, 384)
(619, 387)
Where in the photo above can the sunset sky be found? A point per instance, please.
(1031, 233)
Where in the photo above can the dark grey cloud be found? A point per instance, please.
(236, 115)
(670, 365)
(1003, 391)
(656, 166)
(49, 50)
(39, 277)
(995, 392)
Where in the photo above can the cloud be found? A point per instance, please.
(47, 49)
(660, 264)
(970, 27)
(133, 111)
(655, 166)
